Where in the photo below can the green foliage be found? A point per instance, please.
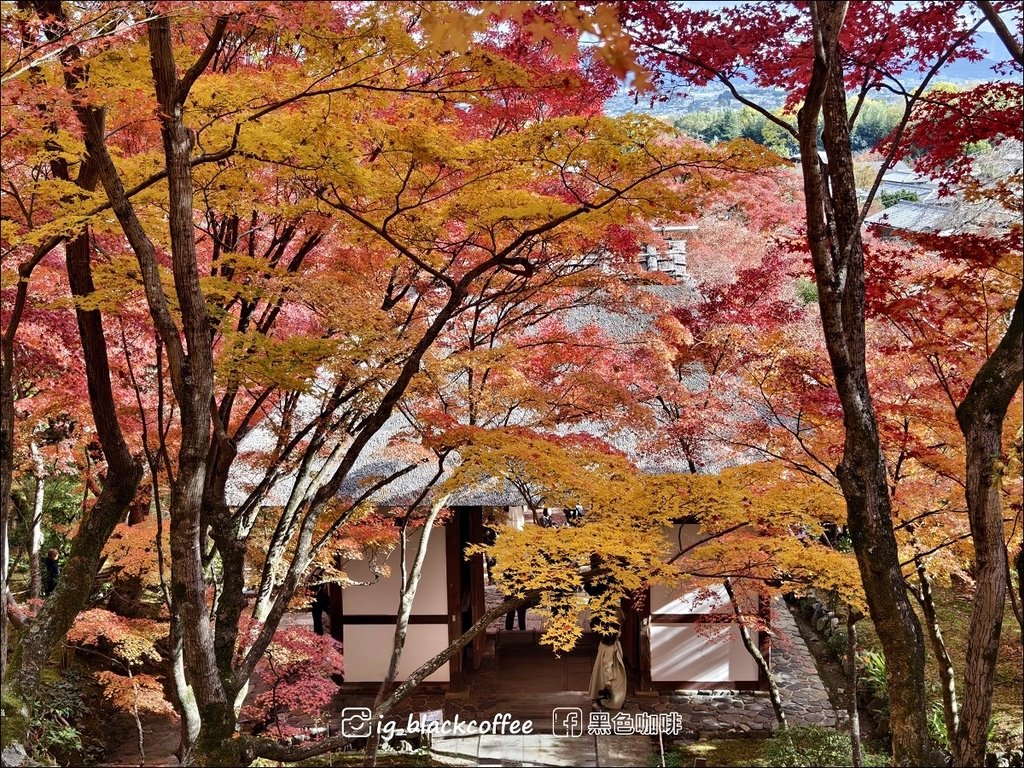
(937, 726)
(62, 504)
(889, 199)
(814, 746)
(875, 121)
(873, 675)
(719, 125)
(873, 663)
(54, 729)
(673, 759)
(722, 752)
(807, 290)
(838, 643)
(13, 718)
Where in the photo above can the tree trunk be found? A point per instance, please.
(833, 233)
(947, 675)
(773, 689)
(410, 585)
(35, 533)
(192, 381)
(981, 416)
(123, 476)
(181, 693)
(852, 617)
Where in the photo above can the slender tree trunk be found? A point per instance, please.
(410, 585)
(981, 416)
(35, 532)
(7, 395)
(748, 642)
(833, 233)
(852, 617)
(307, 483)
(1018, 604)
(192, 381)
(947, 675)
(182, 695)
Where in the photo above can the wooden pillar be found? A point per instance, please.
(336, 611)
(453, 577)
(643, 615)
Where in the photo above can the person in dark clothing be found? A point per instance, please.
(321, 603)
(51, 572)
(574, 516)
(545, 519)
(490, 539)
(511, 615)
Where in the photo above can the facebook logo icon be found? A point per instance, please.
(567, 721)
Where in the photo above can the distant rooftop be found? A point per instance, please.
(672, 259)
(946, 217)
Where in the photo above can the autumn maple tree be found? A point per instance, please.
(832, 50)
(433, 187)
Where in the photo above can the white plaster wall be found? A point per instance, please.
(368, 651)
(382, 597)
(680, 652)
(517, 517)
(710, 598)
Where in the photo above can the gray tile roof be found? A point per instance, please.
(378, 460)
(950, 216)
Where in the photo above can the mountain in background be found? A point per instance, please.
(715, 96)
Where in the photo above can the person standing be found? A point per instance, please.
(608, 679)
(490, 539)
(51, 572)
(510, 617)
(321, 603)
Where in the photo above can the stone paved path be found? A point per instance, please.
(545, 750)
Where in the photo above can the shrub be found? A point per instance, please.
(937, 726)
(807, 290)
(673, 759)
(814, 746)
(843, 543)
(129, 641)
(296, 675)
(838, 643)
(55, 730)
(872, 664)
(889, 199)
(141, 692)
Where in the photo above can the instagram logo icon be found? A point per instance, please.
(567, 721)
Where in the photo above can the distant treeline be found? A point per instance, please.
(875, 121)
